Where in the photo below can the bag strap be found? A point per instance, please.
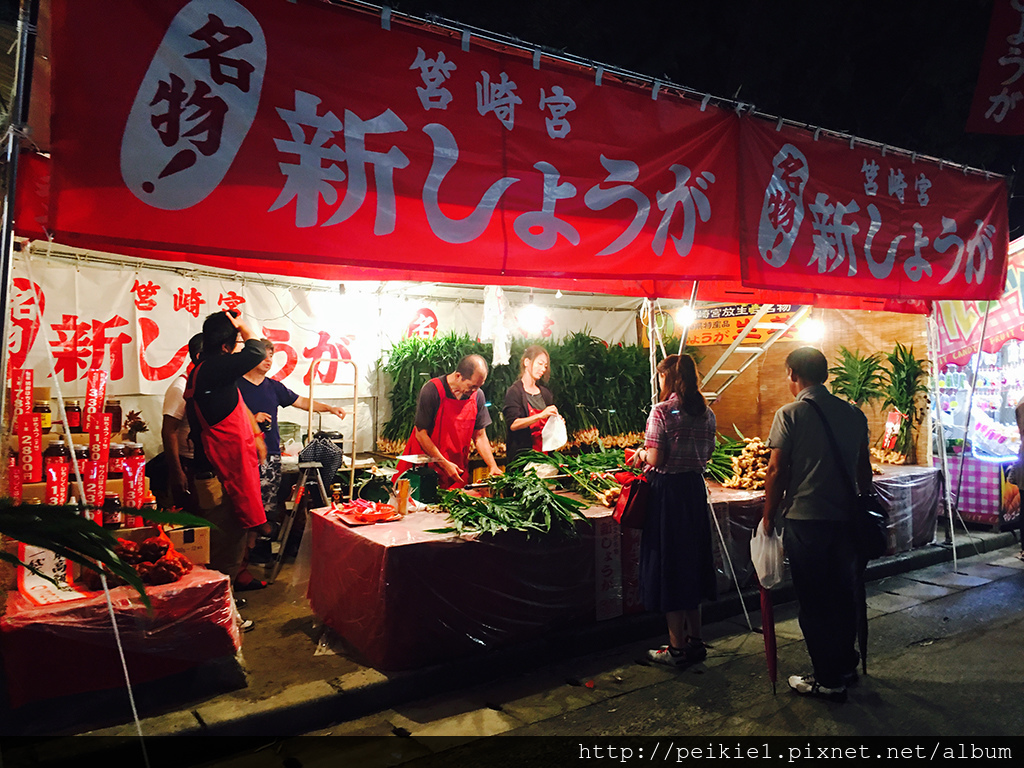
(837, 454)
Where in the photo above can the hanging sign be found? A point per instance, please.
(721, 324)
(996, 107)
(825, 216)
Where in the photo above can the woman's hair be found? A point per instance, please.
(531, 353)
(681, 377)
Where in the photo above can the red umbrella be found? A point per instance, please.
(771, 656)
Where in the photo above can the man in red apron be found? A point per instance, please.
(451, 414)
(225, 459)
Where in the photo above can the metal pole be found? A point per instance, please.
(19, 113)
(967, 427)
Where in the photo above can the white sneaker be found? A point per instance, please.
(806, 685)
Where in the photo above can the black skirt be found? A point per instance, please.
(677, 569)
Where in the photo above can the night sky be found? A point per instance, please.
(900, 72)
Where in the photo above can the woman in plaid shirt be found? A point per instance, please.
(676, 565)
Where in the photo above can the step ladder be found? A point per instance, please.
(292, 508)
(741, 356)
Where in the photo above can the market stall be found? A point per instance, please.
(456, 158)
(980, 372)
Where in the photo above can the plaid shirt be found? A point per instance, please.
(687, 441)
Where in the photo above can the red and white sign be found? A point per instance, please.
(858, 221)
(99, 458)
(134, 481)
(95, 395)
(30, 447)
(14, 479)
(22, 391)
(57, 472)
(38, 589)
(998, 95)
(423, 325)
(306, 139)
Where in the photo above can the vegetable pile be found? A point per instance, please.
(720, 466)
(751, 466)
(519, 501)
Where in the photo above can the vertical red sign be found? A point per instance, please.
(14, 479)
(22, 391)
(95, 394)
(57, 472)
(30, 447)
(134, 486)
(99, 457)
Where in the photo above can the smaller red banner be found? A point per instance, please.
(997, 106)
(30, 447)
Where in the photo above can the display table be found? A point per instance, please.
(404, 597)
(980, 486)
(911, 493)
(68, 648)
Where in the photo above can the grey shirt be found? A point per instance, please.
(816, 488)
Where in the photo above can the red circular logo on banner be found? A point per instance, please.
(423, 325)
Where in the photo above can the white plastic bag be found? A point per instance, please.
(766, 554)
(554, 434)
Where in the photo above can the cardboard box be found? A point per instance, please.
(193, 543)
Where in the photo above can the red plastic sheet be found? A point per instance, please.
(69, 648)
(912, 495)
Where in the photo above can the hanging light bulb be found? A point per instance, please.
(812, 330)
(558, 293)
(685, 316)
(531, 319)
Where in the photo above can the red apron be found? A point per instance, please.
(454, 426)
(231, 448)
(536, 429)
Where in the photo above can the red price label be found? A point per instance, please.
(95, 394)
(23, 382)
(57, 472)
(134, 481)
(30, 447)
(14, 481)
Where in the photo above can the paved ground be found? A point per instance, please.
(945, 659)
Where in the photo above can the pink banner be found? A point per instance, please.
(960, 322)
(840, 217)
(996, 107)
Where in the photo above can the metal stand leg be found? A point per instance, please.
(297, 507)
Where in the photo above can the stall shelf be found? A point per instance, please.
(67, 648)
(404, 596)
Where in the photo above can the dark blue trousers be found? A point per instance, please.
(824, 567)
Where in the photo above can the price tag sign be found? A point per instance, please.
(95, 395)
(57, 473)
(23, 381)
(99, 458)
(30, 447)
(14, 480)
(134, 486)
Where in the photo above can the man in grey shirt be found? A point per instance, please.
(805, 483)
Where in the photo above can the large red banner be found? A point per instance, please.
(302, 131)
(850, 218)
(314, 140)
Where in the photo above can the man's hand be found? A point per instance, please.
(496, 470)
(337, 410)
(262, 418)
(449, 469)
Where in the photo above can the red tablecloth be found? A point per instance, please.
(404, 597)
(69, 648)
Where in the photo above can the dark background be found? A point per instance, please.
(900, 72)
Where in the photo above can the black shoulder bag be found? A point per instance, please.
(870, 518)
